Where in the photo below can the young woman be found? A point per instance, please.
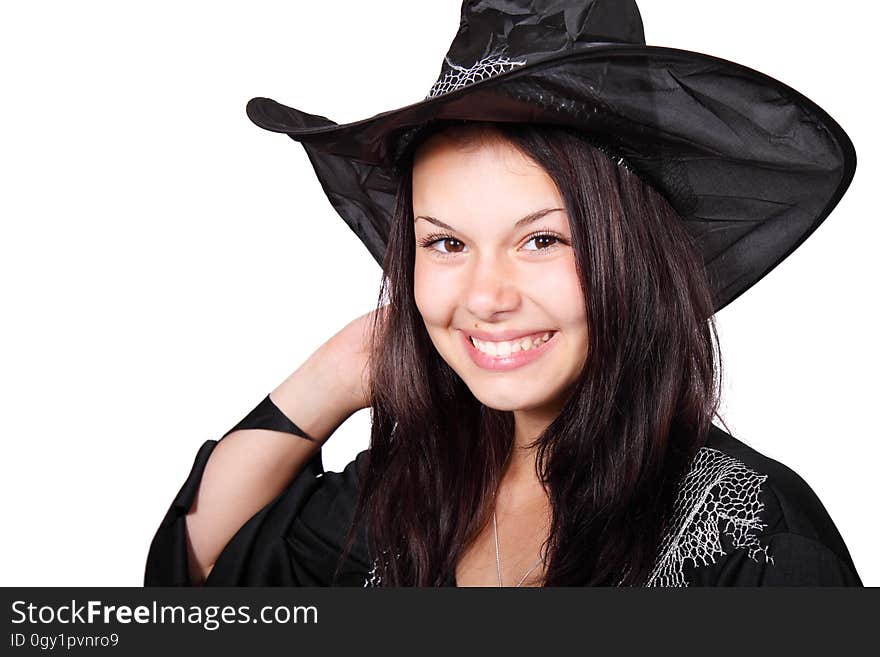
(542, 368)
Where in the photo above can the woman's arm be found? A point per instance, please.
(249, 468)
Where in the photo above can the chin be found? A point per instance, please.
(514, 401)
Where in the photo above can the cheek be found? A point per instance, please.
(563, 296)
(432, 295)
(566, 303)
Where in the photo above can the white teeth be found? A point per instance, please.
(503, 349)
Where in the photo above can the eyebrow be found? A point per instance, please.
(529, 218)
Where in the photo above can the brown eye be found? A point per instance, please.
(457, 244)
(543, 242)
(451, 245)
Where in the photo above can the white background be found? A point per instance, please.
(165, 263)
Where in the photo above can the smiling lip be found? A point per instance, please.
(511, 362)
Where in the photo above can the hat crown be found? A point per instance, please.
(495, 36)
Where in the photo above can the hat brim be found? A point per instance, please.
(751, 165)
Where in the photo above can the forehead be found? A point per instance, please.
(484, 177)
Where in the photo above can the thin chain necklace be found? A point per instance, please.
(498, 555)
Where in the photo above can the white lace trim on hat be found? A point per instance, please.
(459, 76)
(719, 495)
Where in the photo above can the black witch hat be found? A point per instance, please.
(751, 165)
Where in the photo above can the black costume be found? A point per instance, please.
(750, 165)
(741, 519)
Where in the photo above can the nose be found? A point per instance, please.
(491, 288)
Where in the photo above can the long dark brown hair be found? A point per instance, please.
(613, 458)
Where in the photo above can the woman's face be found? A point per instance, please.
(494, 262)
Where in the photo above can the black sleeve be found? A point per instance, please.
(794, 560)
(295, 540)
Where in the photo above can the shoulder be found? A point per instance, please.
(329, 510)
(337, 493)
(742, 518)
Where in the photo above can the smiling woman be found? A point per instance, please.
(613, 283)
(557, 223)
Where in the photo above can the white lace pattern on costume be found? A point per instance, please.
(719, 495)
(459, 76)
(373, 578)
